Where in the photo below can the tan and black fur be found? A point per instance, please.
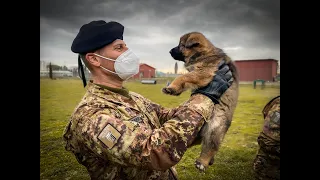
(201, 59)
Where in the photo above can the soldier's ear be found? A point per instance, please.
(92, 59)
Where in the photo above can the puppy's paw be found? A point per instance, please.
(199, 166)
(170, 91)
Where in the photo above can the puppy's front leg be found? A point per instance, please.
(191, 80)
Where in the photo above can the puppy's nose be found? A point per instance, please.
(170, 51)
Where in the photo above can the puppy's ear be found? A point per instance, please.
(219, 52)
(192, 43)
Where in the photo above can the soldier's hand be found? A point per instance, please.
(220, 83)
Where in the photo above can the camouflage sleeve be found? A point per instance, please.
(271, 126)
(164, 114)
(267, 160)
(157, 149)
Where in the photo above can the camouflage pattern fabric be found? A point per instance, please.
(119, 137)
(267, 162)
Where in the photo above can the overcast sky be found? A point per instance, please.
(245, 29)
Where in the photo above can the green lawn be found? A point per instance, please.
(58, 99)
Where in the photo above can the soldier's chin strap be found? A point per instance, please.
(81, 72)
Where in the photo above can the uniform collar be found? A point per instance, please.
(112, 96)
(105, 93)
(123, 91)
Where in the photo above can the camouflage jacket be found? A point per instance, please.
(266, 164)
(129, 137)
(271, 114)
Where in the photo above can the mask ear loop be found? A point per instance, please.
(104, 57)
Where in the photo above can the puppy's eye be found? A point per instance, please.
(195, 45)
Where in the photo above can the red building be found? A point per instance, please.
(250, 70)
(145, 71)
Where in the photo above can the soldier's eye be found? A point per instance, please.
(118, 48)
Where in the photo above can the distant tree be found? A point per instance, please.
(50, 71)
(75, 72)
(65, 68)
(176, 68)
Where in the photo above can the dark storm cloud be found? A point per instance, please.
(245, 29)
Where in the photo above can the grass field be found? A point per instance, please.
(58, 99)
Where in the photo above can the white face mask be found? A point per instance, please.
(126, 65)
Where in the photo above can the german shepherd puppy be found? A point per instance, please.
(201, 58)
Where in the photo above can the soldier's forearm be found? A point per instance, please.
(197, 101)
(164, 147)
(165, 114)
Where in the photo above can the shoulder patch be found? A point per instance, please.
(269, 105)
(109, 136)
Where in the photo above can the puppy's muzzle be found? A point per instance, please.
(177, 54)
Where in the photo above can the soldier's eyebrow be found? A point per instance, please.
(119, 44)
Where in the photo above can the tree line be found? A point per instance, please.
(57, 67)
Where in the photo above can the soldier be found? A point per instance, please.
(266, 165)
(119, 134)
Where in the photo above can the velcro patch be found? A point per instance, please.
(109, 136)
(136, 119)
(133, 123)
(275, 117)
(149, 108)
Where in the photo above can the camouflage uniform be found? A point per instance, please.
(126, 136)
(267, 162)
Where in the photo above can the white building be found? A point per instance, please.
(43, 65)
(56, 74)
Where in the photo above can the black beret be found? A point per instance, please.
(95, 35)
